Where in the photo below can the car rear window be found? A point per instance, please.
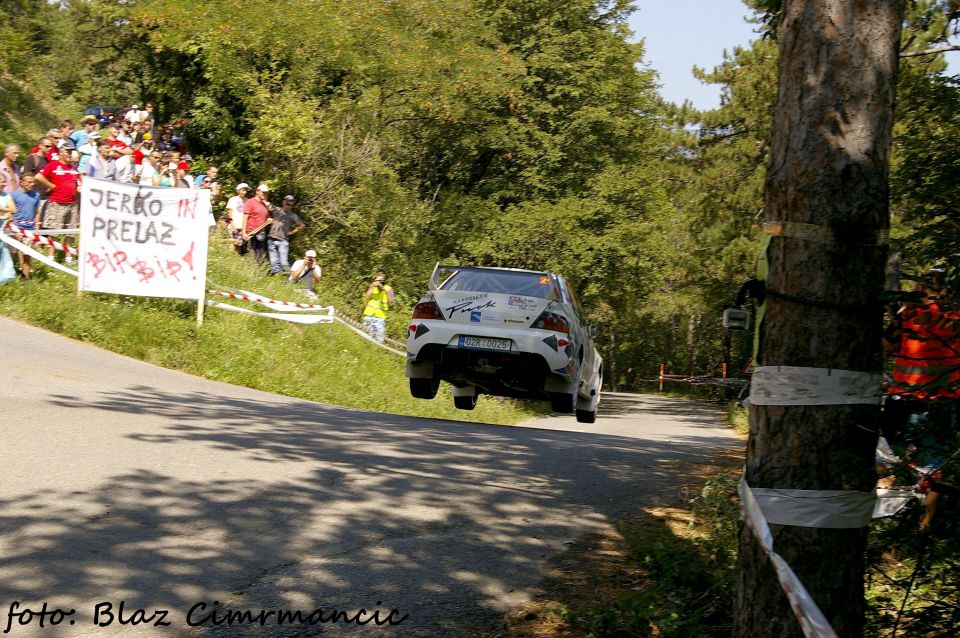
(505, 282)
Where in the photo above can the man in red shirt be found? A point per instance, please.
(62, 179)
(256, 215)
(113, 133)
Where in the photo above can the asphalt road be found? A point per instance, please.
(124, 482)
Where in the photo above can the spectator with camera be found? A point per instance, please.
(378, 298)
(306, 273)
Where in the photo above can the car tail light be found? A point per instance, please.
(427, 310)
(552, 321)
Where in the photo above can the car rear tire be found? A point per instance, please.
(467, 402)
(424, 388)
(586, 416)
(562, 402)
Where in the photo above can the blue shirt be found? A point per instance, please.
(26, 203)
(79, 137)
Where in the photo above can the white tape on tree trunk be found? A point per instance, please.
(812, 620)
(791, 385)
(833, 509)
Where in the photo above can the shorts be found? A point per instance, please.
(58, 216)
(376, 326)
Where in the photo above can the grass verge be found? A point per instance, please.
(666, 570)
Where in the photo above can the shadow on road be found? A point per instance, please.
(429, 516)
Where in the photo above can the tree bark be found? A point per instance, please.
(828, 167)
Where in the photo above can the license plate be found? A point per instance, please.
(486, 343)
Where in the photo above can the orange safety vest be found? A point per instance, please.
(928, 363)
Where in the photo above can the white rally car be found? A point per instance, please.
(504, 332)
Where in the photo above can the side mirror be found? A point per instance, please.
(736, 319)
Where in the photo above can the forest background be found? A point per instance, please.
(525, 133)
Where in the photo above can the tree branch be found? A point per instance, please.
(933, 51)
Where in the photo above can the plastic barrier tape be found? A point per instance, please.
(285, 306)
(812, 620)
(369, 338)
(43, 259)
(40, 239)
(294, 318)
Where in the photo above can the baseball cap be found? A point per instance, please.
(242, 185)
(310, 253)
(183, 166)
(264, 188)
(147, 137)
(289, 198)
(134, 106)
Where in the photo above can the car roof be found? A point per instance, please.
(458, 273)
(496, 268)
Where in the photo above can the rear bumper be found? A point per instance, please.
(531, 369)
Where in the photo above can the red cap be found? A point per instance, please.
(183, 166)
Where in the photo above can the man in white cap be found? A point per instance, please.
(234, 217)
(133, 115)
(256, 218)
(305, 273)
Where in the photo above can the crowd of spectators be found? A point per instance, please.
(43, 187)
(43, 193)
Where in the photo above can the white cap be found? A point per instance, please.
(310, 253)
(264, 188)
(242, 185)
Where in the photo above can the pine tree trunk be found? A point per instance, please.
(828, 166)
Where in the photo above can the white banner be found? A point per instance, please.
(143, 240)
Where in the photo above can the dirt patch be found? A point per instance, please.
(596, 568)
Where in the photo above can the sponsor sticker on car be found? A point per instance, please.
(515, 302)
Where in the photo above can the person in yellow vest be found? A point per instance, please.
(379, 298)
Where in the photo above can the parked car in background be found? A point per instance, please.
(104, 114)
(504, 332)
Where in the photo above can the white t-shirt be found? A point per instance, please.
(298, 264)
(147, 171)
(123, 166)
(133, 115)
(235, 206)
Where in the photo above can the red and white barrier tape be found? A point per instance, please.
(41, 258)
(266, 301)
(353, 323)
(292, 317)
(366, 335)
(40, 239)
